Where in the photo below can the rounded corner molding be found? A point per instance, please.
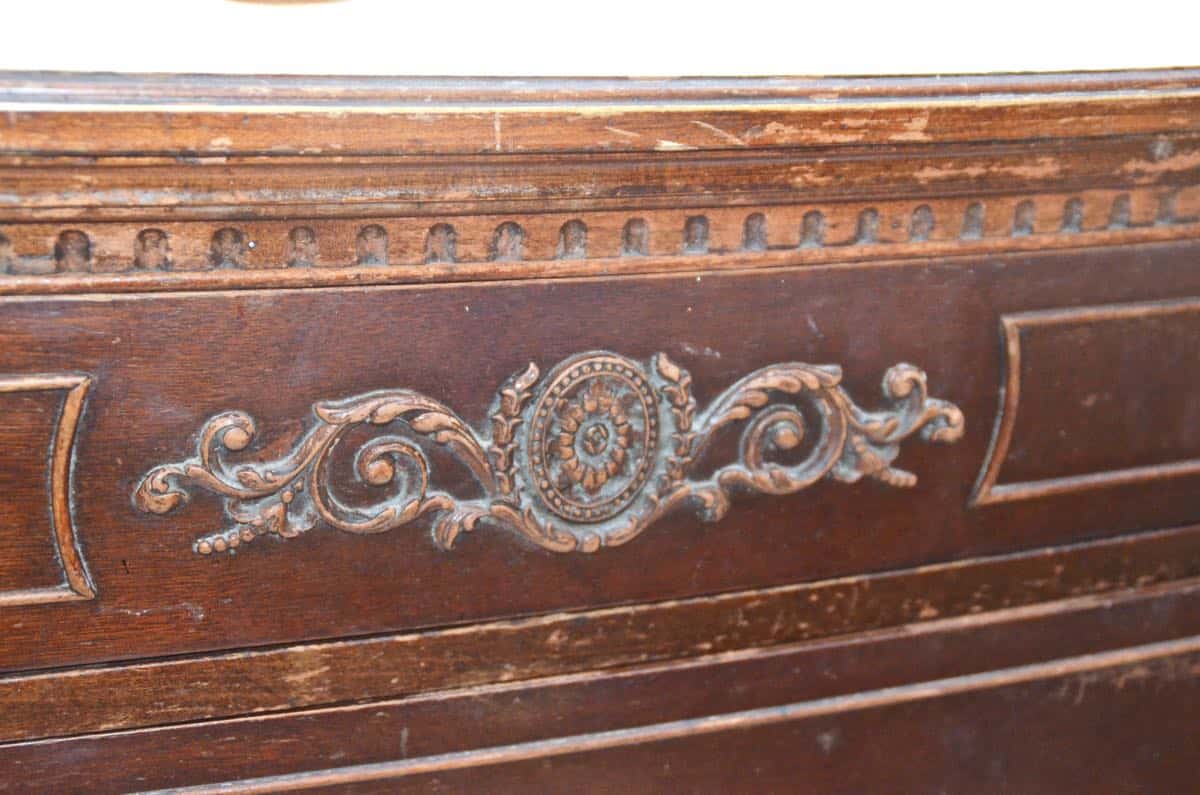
(587, 457)
(77, 583)
(990, 488)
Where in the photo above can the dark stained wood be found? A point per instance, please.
(1107, 390)
(59, 703)
(27, 548)
(1030, 730)
(164, 364)
(951, 602)
(40, 560)
(458, 721)
(1145, 438)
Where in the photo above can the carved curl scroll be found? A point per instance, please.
(589, 456)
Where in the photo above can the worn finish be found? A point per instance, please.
(206, 117)
(461, 720)
(709, 278)
(1032, 728)
(59, 703)
(36, 257)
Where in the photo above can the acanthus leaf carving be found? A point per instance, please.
(587, 457)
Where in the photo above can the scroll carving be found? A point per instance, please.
(588, 456)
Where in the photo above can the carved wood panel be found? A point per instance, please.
(173, 361)
(589, 457)
(307, 311)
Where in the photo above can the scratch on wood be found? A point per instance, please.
(775, 131)
(303, 677)
(1153, 673)
(722, 134)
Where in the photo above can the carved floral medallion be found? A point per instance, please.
(594, 438)
(589, 456)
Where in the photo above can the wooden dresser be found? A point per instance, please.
(771, 435)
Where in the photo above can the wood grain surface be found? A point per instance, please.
(447, 738)
(163, 365)
(1015, 611)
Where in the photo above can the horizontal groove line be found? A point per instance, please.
(611, 610)
(569, 106)
(696, 626)
(65, 83)
(337, 205)
(850, 152)
(952, 623)
(557, 161)
(883, 697)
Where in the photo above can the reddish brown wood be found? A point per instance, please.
(165, 364)
(175, 248)
(1031, 729)
(505, 714)
(65, 702)
(219, 117)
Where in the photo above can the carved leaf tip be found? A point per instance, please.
(948, 424)
(450, 526)
(902, 380)
(156, 494)
(515, 394)
(527, 378)
(714, 503)
(433, 421)
(667, 368)
(386, 412)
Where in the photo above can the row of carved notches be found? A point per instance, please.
(230, 246)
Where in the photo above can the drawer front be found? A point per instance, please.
(373, 435)
(1040, 683)
(282, 465)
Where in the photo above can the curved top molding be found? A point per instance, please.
(213, 115)
(124, 89)
(154, 182)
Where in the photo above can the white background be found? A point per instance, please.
(597, 37)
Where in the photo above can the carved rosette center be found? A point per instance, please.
(593, 438)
